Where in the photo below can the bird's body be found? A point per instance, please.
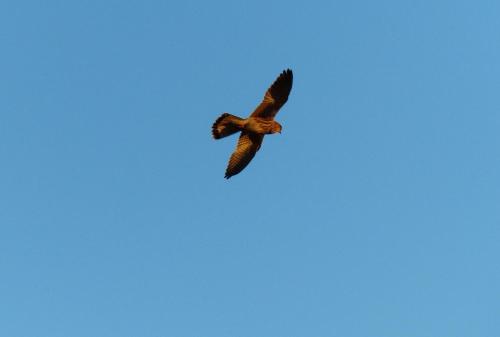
(253, 128)
(261, 125)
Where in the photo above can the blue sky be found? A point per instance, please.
(375, 212)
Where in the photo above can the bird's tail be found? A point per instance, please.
(226, 125)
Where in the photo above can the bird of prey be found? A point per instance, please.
(253, 128)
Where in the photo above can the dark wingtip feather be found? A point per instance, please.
(288, 73)
(286, 76)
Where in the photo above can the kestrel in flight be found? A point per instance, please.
(253, 128)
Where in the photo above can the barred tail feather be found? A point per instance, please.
(226, 125)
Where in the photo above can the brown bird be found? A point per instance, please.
(253, 128)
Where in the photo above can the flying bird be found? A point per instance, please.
(253, 128)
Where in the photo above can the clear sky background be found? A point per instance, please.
(375, 213)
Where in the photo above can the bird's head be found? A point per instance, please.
(276, 127)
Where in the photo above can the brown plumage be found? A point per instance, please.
(253, 128)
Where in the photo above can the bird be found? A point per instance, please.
(253, 128)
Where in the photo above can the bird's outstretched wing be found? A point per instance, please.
(275, 97)
(248, 145)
